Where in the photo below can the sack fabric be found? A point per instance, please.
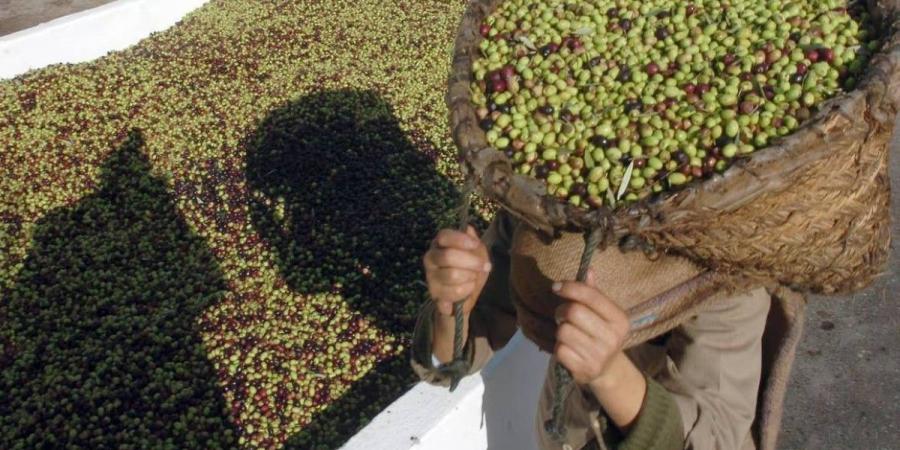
(657, 295)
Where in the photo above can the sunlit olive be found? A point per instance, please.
(666, 82)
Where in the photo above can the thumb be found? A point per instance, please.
(591, 279)
(470, 230)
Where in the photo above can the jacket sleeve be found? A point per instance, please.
(493, 320)
(702, 393)
(658, 425)
(713, 369)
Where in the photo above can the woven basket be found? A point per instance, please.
(810, 212)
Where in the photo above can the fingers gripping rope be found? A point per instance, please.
(457, 368)
(555, 426)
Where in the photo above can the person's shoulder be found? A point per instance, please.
(504, 225)
(740, 306)
(505, 217)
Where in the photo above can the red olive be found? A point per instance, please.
(812, 55)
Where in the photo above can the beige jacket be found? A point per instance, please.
(710, 365)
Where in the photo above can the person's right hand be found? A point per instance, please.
(456, 268)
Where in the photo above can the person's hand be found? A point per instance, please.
(591, 332)
(456, 268)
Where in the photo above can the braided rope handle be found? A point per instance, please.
(459, 367)
(555, 426)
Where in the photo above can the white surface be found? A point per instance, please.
(89, 34)
(494, 409)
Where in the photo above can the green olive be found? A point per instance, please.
(655, 87)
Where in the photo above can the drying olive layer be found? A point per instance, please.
(213, 239)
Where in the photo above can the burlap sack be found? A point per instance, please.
(784, 327)
(810, 211)
(657, 295)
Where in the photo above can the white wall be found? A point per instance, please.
(493, 410)
(89, 34)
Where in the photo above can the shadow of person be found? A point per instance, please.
(348, 203)
(102, 347)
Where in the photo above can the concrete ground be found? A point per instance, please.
(845, 388)
(16, 15)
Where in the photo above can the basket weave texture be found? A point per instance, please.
(810, 212)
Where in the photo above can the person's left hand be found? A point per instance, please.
(591, 332)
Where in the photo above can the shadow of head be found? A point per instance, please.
(100, 327)
(347, 202)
